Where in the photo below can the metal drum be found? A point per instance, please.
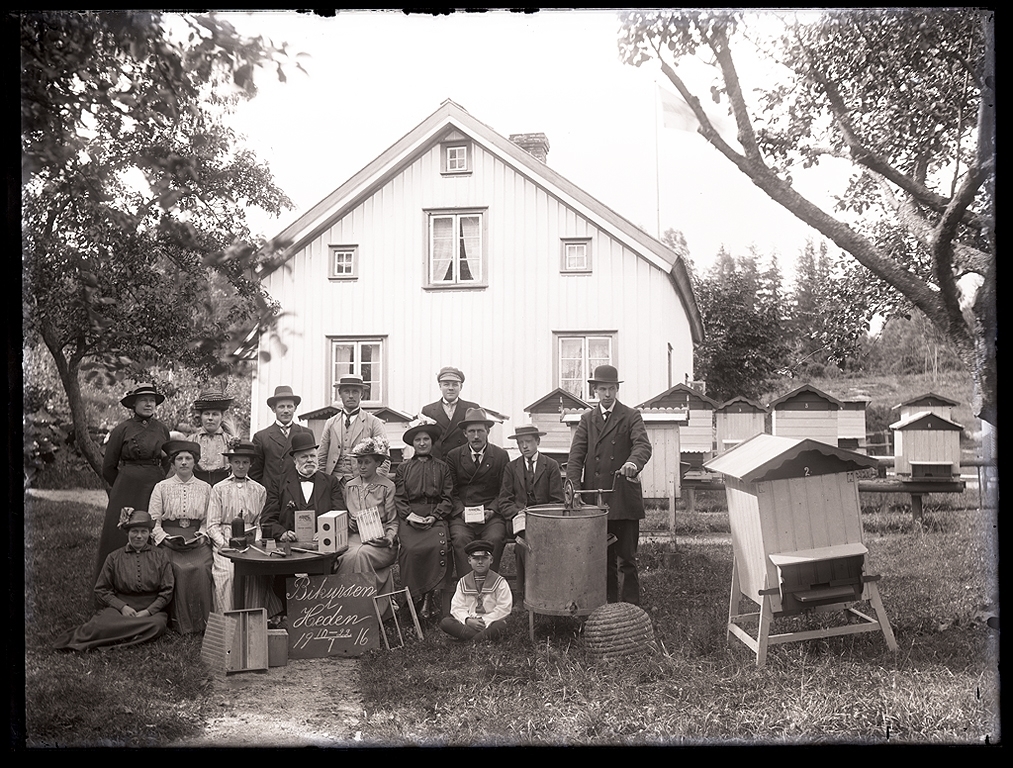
(565, 570)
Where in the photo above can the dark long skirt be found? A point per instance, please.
(193, 597)
(425, 558)
(110, 627)
(132, 488)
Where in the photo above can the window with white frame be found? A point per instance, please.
(576, 255)
(455, 157)
(344, 262)
(358, 357)
(577, 355)
(456, 248)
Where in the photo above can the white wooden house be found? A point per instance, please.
(737, 420)
(806, 412)
(456, 246)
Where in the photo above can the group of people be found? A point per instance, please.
(445, 514)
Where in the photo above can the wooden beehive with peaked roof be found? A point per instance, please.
(926, 446)
(696, 436)
(851, 424)
(546, 413)
(806, 413)
(929, 402)
(737, 420)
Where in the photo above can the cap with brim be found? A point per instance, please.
(143, 389)
(371, 447)
(433, 430)
(527, 430)
(478, 546)
(242, 448)
(135, 518)
(476, 416)
(450, 373)
(212, 400)
(283, 393)
(172, 447)
(302, 441)
(605, 374)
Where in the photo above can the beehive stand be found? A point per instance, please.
(822, 580)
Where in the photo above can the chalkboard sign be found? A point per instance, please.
(331, 616)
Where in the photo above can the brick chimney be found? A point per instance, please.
(535, 144)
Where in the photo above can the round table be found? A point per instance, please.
(250, 562)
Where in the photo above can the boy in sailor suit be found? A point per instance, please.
(482, 601)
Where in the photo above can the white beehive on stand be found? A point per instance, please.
(696, 434)
(930, 402)
(794, 514)
(926, 446)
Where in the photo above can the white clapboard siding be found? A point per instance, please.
(501, 335)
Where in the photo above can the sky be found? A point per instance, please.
(373, 76)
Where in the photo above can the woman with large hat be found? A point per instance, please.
(214, 435)
(369, 496)
(132, 464)
(179, 508)
(424, 490)
(133, 590)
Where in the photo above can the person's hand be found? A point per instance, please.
(141, 614)
(475, 622)
(126, 610)
(629, 469)
(288, 536)
(488, 514)
(382, 541)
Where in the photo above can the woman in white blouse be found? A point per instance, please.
(179, 507)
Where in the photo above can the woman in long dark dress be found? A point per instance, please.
(179, 507)
(132, 464)
(133, 589)
(423, 498)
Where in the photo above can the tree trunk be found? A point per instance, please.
(69, 372)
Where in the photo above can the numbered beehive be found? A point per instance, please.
(929, 402)
(926, 446)
(696, 435)
(738, 420)
(546, 413)
(806, 413)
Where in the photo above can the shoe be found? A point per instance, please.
(427, 607)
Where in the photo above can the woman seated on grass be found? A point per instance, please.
(134, 586)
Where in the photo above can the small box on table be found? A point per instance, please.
(332, 530)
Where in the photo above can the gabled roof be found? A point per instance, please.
(929, 398)
(680, 394)
(806, 389)
(451, 116)
(744, 400)
(762, 456)
(927, 420)
(558, 399)
(383, 413)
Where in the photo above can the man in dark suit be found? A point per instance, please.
(477, 468)
(302, 487)
(272, 459)
(528, 480)
(448, 412)
(611, 446)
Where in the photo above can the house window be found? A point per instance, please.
(455, 158)
(456, 249)
(578, 355)
(576, 255)
(344, 262)
(360, 357)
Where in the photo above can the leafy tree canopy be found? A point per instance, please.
(906, 96)
(135, 244)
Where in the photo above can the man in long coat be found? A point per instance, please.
(448, 412)
(272, 459)
(611, 446)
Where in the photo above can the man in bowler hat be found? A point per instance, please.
(610, 447)
(272, 459)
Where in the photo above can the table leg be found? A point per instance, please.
(238, 588)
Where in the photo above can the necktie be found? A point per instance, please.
(605, 416)
(531, 476)
(348, 418)
(477, 458)
(284, 431)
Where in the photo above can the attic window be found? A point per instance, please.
(455, 158)
(575, 255)
(343, 262)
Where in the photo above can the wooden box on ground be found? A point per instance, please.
(277, 647)
(236, 641)
(794, 513)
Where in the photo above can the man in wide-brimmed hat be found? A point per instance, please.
(477, 468)
(532, 478)
(448, 411)
(213, 435)
(610, 448)
(347, 428)
(273, 459)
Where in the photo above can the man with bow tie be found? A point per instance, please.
(346, 429)
(304, 487)
(477, 469)
(448, 412)
(272, 458)
(610, 449)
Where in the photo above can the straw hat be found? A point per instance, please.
(527, 430)
(372, 446)
(212, 400)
